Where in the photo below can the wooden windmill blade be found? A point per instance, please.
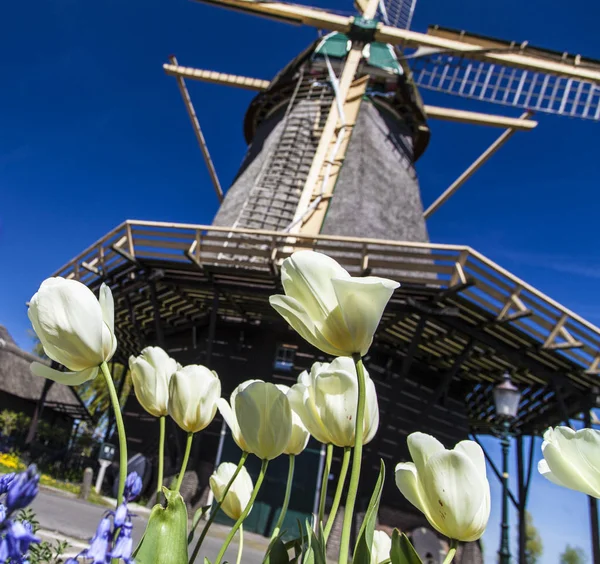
(405, 38)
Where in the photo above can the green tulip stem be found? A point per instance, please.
(161, 456)
(338, 492)
(241, 545)
(286, 499)
(114, 399)
(451, 552)
(186, 457)
(238, 523)
(324, 482)
(215, 510)
(356, 462)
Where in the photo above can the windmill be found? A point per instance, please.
(365, 75)
(333, 139)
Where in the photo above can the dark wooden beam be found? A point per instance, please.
(129, 258)
(39, 408)
(158, 328)
(445, 382)
(212, 328)
(413, 347)
(560, 400)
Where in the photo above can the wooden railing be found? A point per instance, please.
(509, 299)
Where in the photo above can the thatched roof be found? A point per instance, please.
(17, 379)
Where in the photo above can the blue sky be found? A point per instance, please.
(94, 133)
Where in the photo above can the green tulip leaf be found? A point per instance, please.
(315, 550)
(362, 550)
(165, 538)
(277, 552)
(403, 552)
(197, 516)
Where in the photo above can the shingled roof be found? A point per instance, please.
(16, 379)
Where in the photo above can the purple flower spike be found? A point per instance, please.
(121, 515)
(18, 538)
(3, 550)
(133, 486)
(98, 550)
(124, 543)
(22, 489)
(5, 482)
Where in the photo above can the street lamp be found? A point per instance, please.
(506, 402)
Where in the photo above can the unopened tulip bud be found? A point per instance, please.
(381, 547)
(151, 373)
(74, 328)
(265, 419)
(239, 493)
(227, 410)
(193, 394)
(299, 436)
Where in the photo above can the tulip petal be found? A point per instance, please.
(545, 471)
(302, 402)
(582, 448)
(407, 482)
(421, 447)
(371, 412)
(361, 302)
(306, 276)
(107, 305)
(227, 414)
(475, 453)
(336, 395)
(295, 314)
(265, 419)
(455, 492)
(67, 378)
(566, 472)
(67, 318)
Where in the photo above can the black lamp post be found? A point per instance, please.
(506, 401)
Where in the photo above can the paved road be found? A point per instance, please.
(77, 519)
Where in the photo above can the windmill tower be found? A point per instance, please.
(333, 139)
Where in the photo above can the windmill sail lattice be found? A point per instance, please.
(398, 13)
(507, 86)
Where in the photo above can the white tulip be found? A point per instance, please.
(151, 373)
(572, 459)
(227, 411)
(333, 311)
(326, 400)
(450, 487)
(265, 419)
(381, 547)
(193, 394)
(239, 493)
(75, 329)
(300, 435)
